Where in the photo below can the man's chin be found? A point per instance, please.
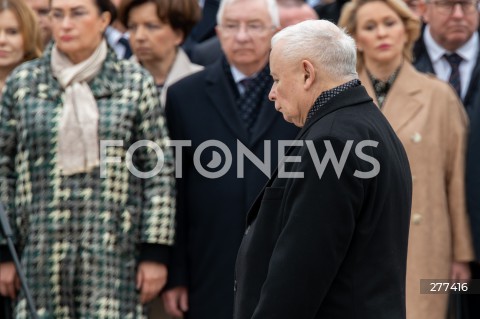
(459, 35)
(243, 59)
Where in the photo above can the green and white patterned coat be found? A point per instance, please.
(79, 235)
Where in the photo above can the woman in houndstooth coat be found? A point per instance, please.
(93, 236)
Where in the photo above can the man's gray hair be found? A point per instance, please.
(321, 42)
(271, 6)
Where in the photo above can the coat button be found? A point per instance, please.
(416, 138)
(416, 218)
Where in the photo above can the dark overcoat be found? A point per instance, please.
(211, 211)
(332, 244)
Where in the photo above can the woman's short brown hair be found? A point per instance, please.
(32, 41)
(348, 20)
(181, 15)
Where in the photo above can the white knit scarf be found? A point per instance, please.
(78, 145)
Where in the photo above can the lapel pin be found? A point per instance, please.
(416, 138)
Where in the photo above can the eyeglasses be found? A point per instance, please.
(446, 7)
(252, 29)
(75, 15)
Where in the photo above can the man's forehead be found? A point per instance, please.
(275, 56)
(247, 10)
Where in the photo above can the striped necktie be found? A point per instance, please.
(454, 60)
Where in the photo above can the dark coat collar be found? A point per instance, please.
(346, 98)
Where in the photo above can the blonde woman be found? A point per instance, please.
(19, 37)
(430, 121)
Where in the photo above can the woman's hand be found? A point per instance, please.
(9, 281)
(151, 277)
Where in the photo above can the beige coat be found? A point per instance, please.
(431, 123)
(182, 67)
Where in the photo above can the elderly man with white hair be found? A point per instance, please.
(327, 237)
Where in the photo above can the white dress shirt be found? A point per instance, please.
(469, 53)
(113, 36)
(239, 76)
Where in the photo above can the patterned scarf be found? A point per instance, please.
(381, 88)
(325, 96)
(78, 145)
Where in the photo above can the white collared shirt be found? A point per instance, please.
(239, 76)
(469, 53)
(313, 3)
(113, 36)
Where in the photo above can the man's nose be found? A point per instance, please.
(271, 95)
(457, 11)
(242, 33)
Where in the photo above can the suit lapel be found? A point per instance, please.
(472, 87)
(402, 96)
(266, 116)
(221, 95)
(422, 59)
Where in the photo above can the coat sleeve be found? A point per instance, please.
(455, 180)
(8, 144)
(319, 223)
(178, 266)
(157, 221)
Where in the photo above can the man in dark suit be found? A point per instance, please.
(327, 240)
(225, 104)
(449, 48)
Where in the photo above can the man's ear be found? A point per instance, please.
(309, 74)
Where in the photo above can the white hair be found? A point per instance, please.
(271, 6)
(321, 42)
